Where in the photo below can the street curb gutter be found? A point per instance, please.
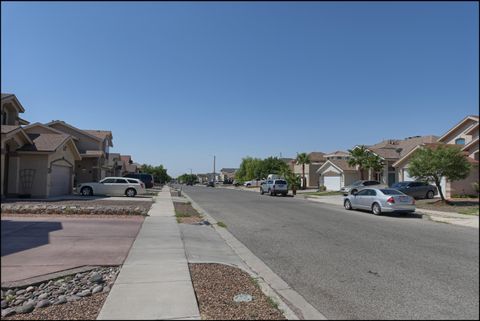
(292, 304)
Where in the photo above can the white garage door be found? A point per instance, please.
(60, 180)
(332, 183)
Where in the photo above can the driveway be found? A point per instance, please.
(37, 245)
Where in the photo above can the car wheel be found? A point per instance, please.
(376, 209)
(271, 193)
(430, 194)
(86, 191)
(130, 192)
(285, 194)
(261, 191)
(347, 205)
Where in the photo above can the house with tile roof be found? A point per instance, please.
(94, 147)
(464, 135)
(317, 159)
(35, 160)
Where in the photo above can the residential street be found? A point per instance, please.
(352, 264)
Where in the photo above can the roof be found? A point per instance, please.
(341, 164)
(45, 142)
(229, 170)
(396, 149)
(102, 134)
(81, 131)
(316, 157)
(472, 129)
(470, 117)
(9, 128)
(12, 96)
(427, 145)
(337, 153)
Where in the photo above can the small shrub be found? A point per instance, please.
(476, 187)
(322, 189)
(221, 224)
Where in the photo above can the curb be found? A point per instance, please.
(291, 303)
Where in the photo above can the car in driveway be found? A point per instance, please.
(380, 200)
(147, 179)
(115, 186)
(211, 184)
(274, 187)
(416, 189)
(357, 185)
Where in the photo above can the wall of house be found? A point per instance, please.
(10, 113)
(311, 175)
(464, 186)
(84, 142)
(459, 133)
(40, 164)
(85, 171)
(350, 177)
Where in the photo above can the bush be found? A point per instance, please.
(322, 189)
(476, 187)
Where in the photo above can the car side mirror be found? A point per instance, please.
(355, 193)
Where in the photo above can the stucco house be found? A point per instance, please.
(128, 166)
(93, 146)
(36, 160)
(464, 135)
(227, 173)
(336, 172)
(317, 159)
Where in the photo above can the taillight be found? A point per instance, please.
(391, 200)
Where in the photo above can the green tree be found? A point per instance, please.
(271, 165)
(431, 164)
(359, 157)
(159, 173)
(292, 179)
(303, 159)
(373, 163)
(187, 178)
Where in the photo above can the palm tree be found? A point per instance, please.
(303, 159)
(374, 164)
(291, 178)
(358, 157)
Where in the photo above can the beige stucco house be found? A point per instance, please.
(336, 172)
(93, 146)
(317, 159)
(464, 135)
(35, 160)
(227, 173)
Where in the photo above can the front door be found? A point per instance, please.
(391, 178)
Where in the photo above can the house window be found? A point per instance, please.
(4, 117)
(460, 141)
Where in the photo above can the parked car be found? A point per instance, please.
(113, 186)
(274, 187)
(147, 179)
(356, 186)
(416, 189)
(236, 183)
(211, 184)
(379, 200)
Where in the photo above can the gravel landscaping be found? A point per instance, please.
(217, 285)
(45, 300)
(86, 207)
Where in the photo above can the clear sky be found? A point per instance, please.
(177, 83)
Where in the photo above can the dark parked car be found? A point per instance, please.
(416, 189)
(147, 179)
(211, 184)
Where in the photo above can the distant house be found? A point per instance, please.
(93, 146)
(227, 173)
(317, 159)
(128, 166)
(464, 135)
(336, 172)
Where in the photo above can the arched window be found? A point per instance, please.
(460, 141)
(4, 117)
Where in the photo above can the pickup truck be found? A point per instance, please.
(274, 187)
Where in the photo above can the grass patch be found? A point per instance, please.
(468, 211)
(180, 214)
(324, 193)
(221, 224)
(272, 303)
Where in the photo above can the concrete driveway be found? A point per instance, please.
(34, 246)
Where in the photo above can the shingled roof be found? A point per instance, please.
(8, 128)
(102, 134)
(45, 142)
(396, 149)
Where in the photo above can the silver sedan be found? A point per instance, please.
(380, 200)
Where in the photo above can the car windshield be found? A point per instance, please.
(391, 192)
(280, 181)
(356, 183)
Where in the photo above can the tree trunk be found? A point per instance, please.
(361, 173)
(303, 177)
(439, 187)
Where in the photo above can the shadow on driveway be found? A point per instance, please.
(19, 236)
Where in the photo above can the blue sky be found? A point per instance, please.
(180, 82)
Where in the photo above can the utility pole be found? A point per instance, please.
(214, 168)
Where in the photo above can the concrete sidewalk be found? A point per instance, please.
(154, 282)
(439, 216)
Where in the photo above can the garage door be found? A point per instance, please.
(60, 180)
(332, 183)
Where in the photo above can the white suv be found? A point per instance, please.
(274, 187)
(113, 186)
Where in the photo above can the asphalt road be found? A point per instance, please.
(352, 264)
